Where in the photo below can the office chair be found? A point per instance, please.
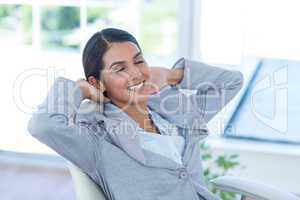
(86, 188)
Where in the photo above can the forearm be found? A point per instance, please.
(82, 85)
(214, 86)
(197, 75)
(62, 102)
(54, 125)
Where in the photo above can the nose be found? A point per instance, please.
(135, 75)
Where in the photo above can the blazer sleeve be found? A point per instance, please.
(214, 86)
(54, 125)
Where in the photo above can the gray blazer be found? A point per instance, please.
(105, 145)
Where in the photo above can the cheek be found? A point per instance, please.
(146, 71)
(115, 83)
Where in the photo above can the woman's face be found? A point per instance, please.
(124, 74)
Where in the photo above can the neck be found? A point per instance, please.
(139, 113)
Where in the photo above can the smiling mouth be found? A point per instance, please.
(136, 87)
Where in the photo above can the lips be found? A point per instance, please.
(136, 87)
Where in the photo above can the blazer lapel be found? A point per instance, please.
(177, 108)
(123, 131)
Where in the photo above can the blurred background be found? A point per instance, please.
(40, 40)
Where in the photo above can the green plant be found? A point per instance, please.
(215, 166)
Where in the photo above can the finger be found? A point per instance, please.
(102, 88)
(106, 100)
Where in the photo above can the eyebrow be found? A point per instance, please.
(122, 62)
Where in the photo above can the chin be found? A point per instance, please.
(138, 99)
(126, 100)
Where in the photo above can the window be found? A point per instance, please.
(58, 24)
(230, 30)
(16, 24)
(44, 39)
(159, 27)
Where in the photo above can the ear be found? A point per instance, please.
(96, 83)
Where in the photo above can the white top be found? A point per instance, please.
(169, 143)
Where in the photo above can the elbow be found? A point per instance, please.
(239, 80)
(240, 77)
(234, 85)
(38, 125)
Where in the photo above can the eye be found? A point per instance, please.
(139, 62)
(120, 69)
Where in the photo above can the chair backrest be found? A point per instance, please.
(84, 186)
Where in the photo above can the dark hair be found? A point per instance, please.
(97, 45)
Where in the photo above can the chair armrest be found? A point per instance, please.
(84, 187)
(252, 189)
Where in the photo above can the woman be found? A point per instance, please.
(144, 144)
